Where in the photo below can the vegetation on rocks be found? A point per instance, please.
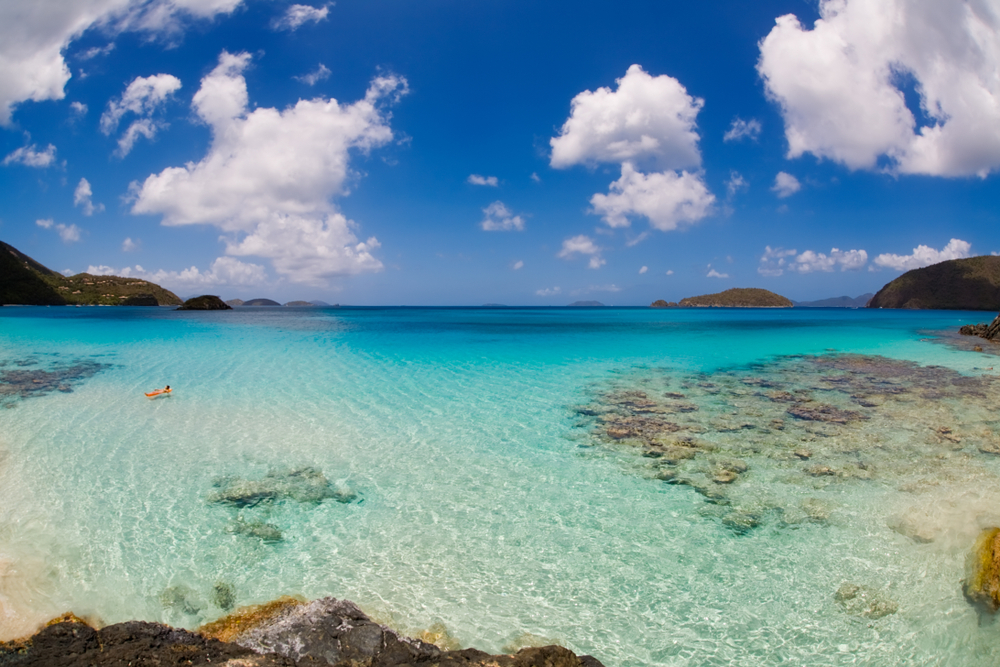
(24, 281)
(738, 297)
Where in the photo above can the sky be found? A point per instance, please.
(383, 152)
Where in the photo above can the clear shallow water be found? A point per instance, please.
(486, 501)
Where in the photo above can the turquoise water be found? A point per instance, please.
(485, 500)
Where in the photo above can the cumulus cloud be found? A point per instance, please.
(643, 270)
(712, 273)
(742, 129)
(29, 157)
(79, 108)
(548, 291)
(269, 176)
(668, 199)
(68, 233)
(670, 272)
(785, 185)
(500, 219)
(775, 261)
(648, 120)
(82, 197)
(839, 84)
(736, 184)
(925, 256)
(314, 77)
(142, 97)
(582, 245)
(225, 271)
(476, 179)
(32, 43)
(518, 265)
(128, 245)
(298, 15)
(535, 177)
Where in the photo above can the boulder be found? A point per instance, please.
(982, 572)
(989, 331)
(205, 302)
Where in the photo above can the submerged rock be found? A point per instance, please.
(224, 595)
(267, 532)
(182, 598)
(865, 601)
(982, 572)
(304, 485)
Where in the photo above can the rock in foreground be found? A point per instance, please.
(205, 302)
(982, 572)
(989, 331)
(285, 632)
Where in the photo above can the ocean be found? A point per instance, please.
(652, 487)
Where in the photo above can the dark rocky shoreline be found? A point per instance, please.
(286, 632)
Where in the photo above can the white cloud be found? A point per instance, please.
(312, 78)
(68, 233)
(548, 291)
(995, 253)
(518, 265)
(647, 120)
(476, 179)
(79, 108)
(925, 256)
(225, 271)
(32, 66)
(298, 15)
(712, 273)
(670, 272)
(128, 245)
(142, 97)
(736, 184)
(582, 245)
(809, 261)
(838, 85)
(785, 185)
(535, 177)
(500, 219)
(668, 199)
(96, 51)
(82, 197)
(643, 270)
(270, 175)
(29, 157)
(742, 129)
(774, 261)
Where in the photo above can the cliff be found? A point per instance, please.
(24, 281)
(738, 297)
(957, 284)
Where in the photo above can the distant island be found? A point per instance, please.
(23, 281)
(836, 302)
(956, 284)
(737, 297)
(585, 304)
(260, 302)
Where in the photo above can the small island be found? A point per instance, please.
(738, 297)
(261, 302)
(205, 302)
(586, 304)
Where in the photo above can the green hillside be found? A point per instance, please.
(23, 281)
(738, 297)
(957, 284)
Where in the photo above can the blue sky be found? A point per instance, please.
(457, 153)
